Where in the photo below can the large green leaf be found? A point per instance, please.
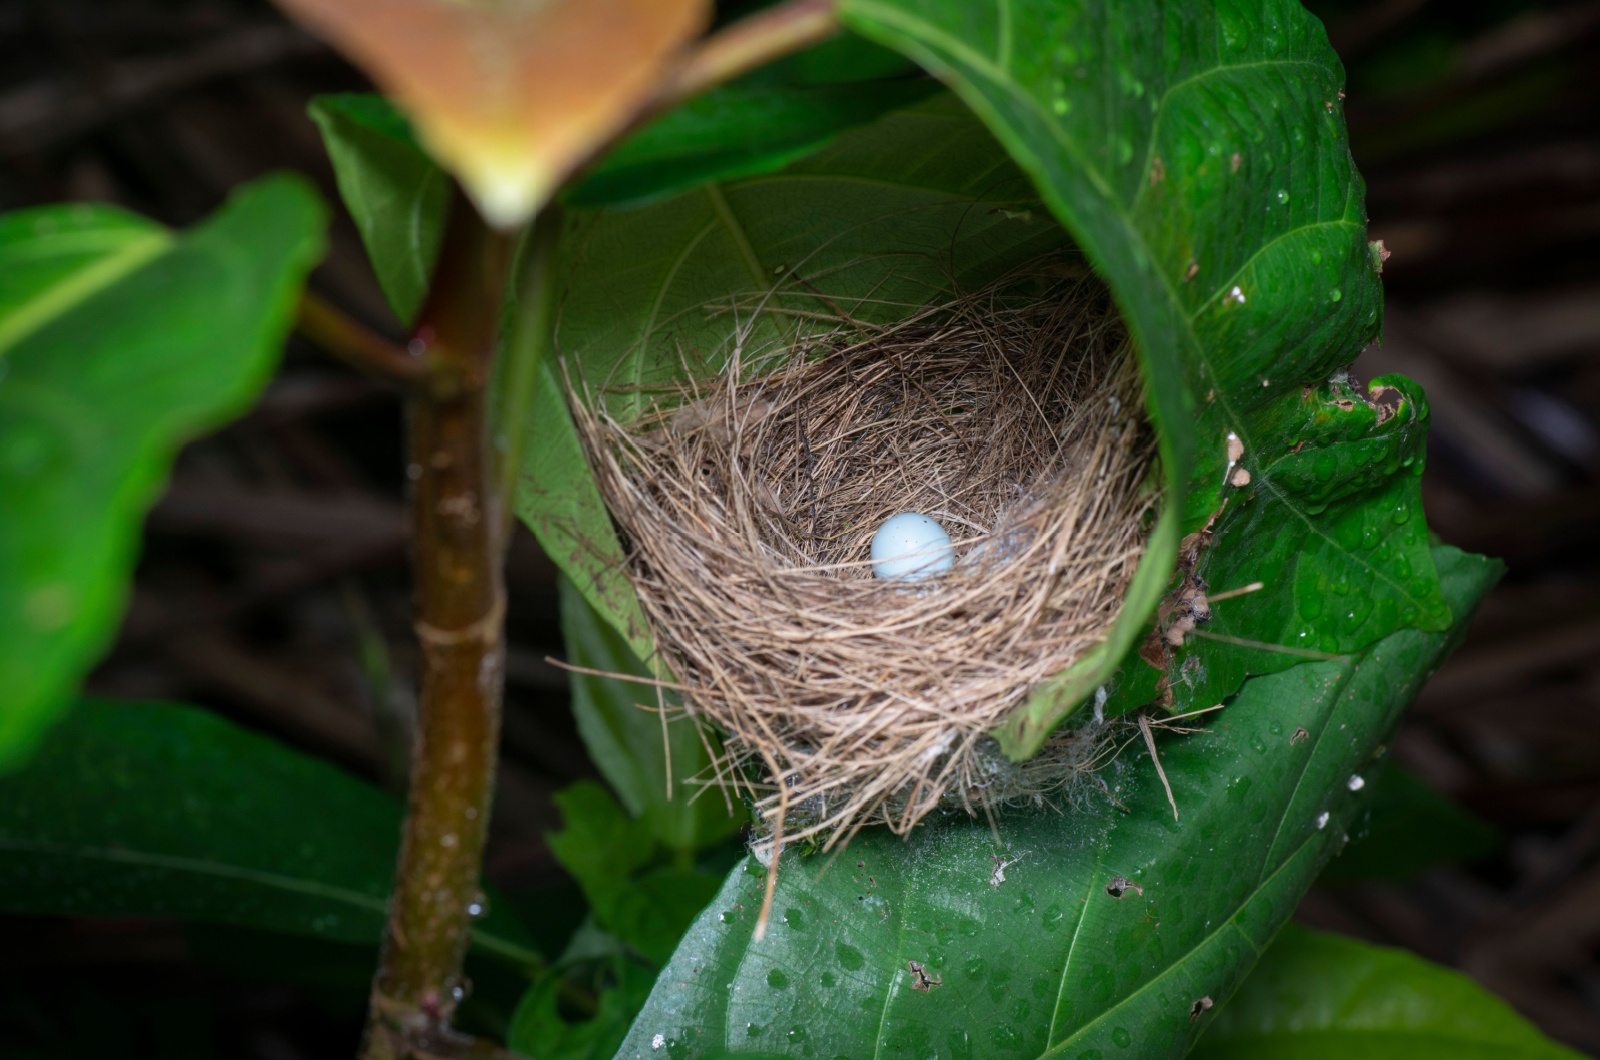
(634, 747)
(120, 342)
(143, 809)
(1316, 996)
(395, 194)
(881, 222)
(1059, 957)
(55, 257)
(1197, 152)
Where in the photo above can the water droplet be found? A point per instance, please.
(1356, 782)
(795, 919)
(1121, 1036)
(478, 907)
(1124, 150)
(1335, 294)
(1238, 789)
(1052, 917)
(1062, 105)
(777, 980)
(797, 1033)
(828, 979)
(850, 958)
(974, 967)
(1322, 820)
(754, 1030)
(1235, 33)
(1311, 605)
(728, 916)
(1282, 196)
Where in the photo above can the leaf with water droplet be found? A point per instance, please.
(1348, 465)
(1219, 887)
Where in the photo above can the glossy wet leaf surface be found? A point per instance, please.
(1108, 927)
(1332, 526)
(155, 810)
(1198, 154)
(119, 341)
(1317, 996)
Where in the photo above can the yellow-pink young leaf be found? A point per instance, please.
(510, 95)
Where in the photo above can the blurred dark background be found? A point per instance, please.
(273, 585)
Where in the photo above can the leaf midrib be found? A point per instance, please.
(221, 870)
(201, 867)
(1231, 923)
(79, 286)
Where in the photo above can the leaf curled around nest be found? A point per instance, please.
(748, 500)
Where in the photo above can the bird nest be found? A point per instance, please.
(747, 502)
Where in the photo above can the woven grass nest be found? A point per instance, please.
(747, 501)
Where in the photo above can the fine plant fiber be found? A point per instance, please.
(747, 501)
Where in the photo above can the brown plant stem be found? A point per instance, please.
(747, 44)
(330, 328)
(460, 607)
(732, 52)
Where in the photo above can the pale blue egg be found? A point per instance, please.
(910, 545)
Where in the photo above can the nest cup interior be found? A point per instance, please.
(747, 502)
